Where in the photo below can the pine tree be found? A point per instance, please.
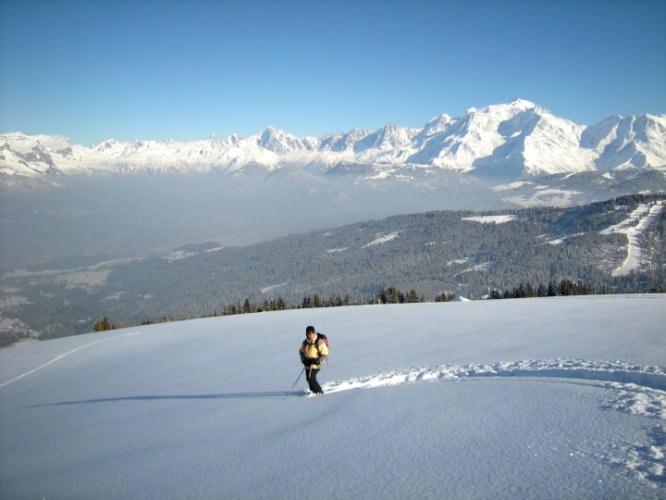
(102, 325)
(248, 307)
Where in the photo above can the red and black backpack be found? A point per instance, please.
(323, 338)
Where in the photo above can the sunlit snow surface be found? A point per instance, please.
(529, 398)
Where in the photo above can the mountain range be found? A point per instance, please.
(509, 141)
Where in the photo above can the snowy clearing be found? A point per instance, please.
(491, 219)
(337, 250)
(382, 239)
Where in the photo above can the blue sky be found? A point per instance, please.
(129, 70)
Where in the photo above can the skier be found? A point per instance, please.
(314, 353)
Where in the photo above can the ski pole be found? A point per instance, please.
(299, 377)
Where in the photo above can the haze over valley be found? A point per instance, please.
(131, 199)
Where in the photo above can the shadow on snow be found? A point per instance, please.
(172, 397)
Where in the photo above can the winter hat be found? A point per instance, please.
(310, 329)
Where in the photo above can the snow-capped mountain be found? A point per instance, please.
(626, 142)
(511, 140)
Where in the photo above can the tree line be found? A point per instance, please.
(387, 295)
(552, 289)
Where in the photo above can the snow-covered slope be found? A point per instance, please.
(510, 139)
(530, 398)
(634, 141)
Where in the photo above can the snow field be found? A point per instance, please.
(529, 398)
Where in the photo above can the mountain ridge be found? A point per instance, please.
(519, 138)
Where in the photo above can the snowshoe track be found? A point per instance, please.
(651, 377)
(634, 389)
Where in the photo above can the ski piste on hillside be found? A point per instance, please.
(637, 222)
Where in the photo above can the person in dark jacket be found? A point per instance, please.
(314, 353)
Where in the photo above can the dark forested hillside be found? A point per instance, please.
(618, 246)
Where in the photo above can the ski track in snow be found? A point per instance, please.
(64, 355)
(635, 389)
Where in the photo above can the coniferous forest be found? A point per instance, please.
(432, 256)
